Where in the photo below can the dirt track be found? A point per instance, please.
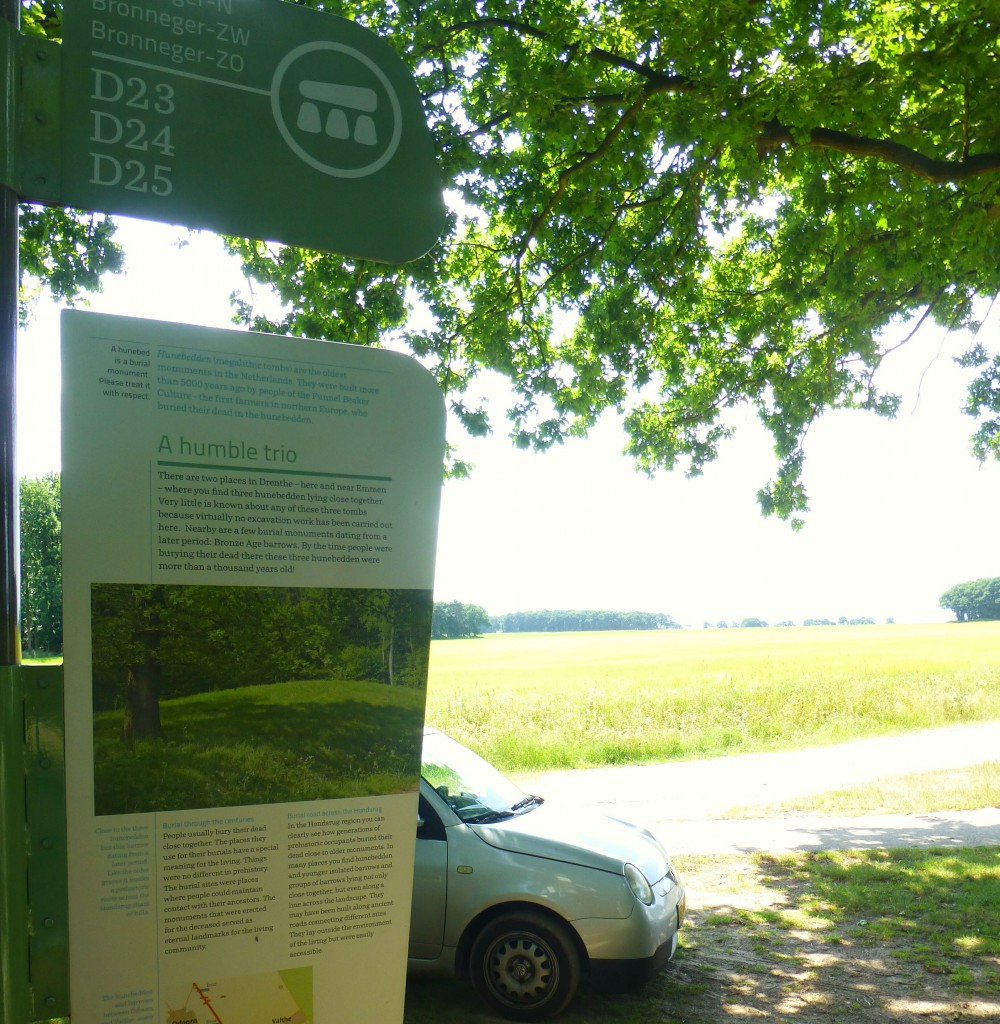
(748, 969)
(682, 801)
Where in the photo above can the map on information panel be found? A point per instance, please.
(281, 997)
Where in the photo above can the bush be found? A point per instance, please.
(359, 663)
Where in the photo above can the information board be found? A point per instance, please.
(249, 528)
(248, 117)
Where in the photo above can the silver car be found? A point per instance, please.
(525, 900)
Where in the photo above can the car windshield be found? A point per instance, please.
(473, 788)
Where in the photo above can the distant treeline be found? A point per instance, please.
(580, 621)
(453, 619)
(864, 620)
(750, 623)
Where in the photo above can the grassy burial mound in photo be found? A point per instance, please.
(302, 740)
(210, 696)
(538, 701)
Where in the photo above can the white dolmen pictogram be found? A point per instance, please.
(339, 102)
(318, 108)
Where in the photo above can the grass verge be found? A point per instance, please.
(957, 789)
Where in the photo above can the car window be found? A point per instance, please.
(429, 823)
(473, 788)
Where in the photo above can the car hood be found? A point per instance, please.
(593, 841)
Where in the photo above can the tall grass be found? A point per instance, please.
(531, 702)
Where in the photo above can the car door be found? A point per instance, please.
(430, 883)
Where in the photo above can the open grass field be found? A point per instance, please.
(534, 701)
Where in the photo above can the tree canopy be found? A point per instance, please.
(670, 208)
(975, 600)
(454, 619)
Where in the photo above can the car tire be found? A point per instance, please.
(526, 964)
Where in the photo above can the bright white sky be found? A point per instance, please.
(900, 510)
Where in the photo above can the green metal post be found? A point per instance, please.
(10, 644)
(15, 998)
(15, 1002)
(34, 935)
(45, 807)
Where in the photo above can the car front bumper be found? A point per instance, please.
(623, 953)
(621, 975)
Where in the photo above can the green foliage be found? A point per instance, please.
(42, 18)
(983, 399)
(173, 641)
(671, 208)
(454, 619)
(974, 600)
(359, 662)
(41, 564)
(64, 253)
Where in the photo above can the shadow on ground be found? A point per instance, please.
(806, 938)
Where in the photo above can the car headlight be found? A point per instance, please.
(641, 888)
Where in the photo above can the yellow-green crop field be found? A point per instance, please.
(533, 701)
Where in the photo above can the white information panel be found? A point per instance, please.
(249, 528)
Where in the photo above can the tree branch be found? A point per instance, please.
(658, 80)
(564, 178)
(775, 135)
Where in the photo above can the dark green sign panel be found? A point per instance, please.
(248, 117)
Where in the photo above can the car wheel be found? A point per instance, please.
(526, 965)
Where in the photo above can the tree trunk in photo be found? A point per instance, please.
(392, 649)
(143, 671)
(142, 702)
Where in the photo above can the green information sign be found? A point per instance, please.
(248, 117)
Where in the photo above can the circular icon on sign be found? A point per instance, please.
(336, 109)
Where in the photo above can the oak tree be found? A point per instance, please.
(670, 208)
(974, 600)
